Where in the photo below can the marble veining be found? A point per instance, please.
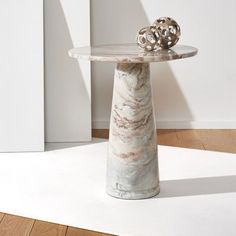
(131, 53)
(132, 163)
(132, 166)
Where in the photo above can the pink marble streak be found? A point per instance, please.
(132, 166)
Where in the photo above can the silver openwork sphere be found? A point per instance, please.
(167, 32)
(146, 39)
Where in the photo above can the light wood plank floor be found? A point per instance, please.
(213, 140)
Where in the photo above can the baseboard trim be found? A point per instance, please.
(180, 124)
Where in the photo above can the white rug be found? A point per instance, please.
(66, 186)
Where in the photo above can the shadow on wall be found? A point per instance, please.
(118, 22)
(65, 91)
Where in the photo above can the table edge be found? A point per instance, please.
(131, 59)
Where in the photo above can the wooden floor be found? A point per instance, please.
(214, 140)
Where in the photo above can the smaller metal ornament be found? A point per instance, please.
(146, 39)
(167, 32)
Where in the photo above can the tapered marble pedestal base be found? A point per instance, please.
(132, 165)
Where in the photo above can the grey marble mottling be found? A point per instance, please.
(131, 53)
(132, 166)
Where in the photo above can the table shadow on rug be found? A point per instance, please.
(197, 186)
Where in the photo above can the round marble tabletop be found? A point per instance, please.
(131, 53)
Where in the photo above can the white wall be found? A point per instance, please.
(21, 76)
(198, 92)
(67, 82)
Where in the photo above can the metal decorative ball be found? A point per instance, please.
(167, 32)
(146, 39)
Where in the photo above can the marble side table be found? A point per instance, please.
(132, 164)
